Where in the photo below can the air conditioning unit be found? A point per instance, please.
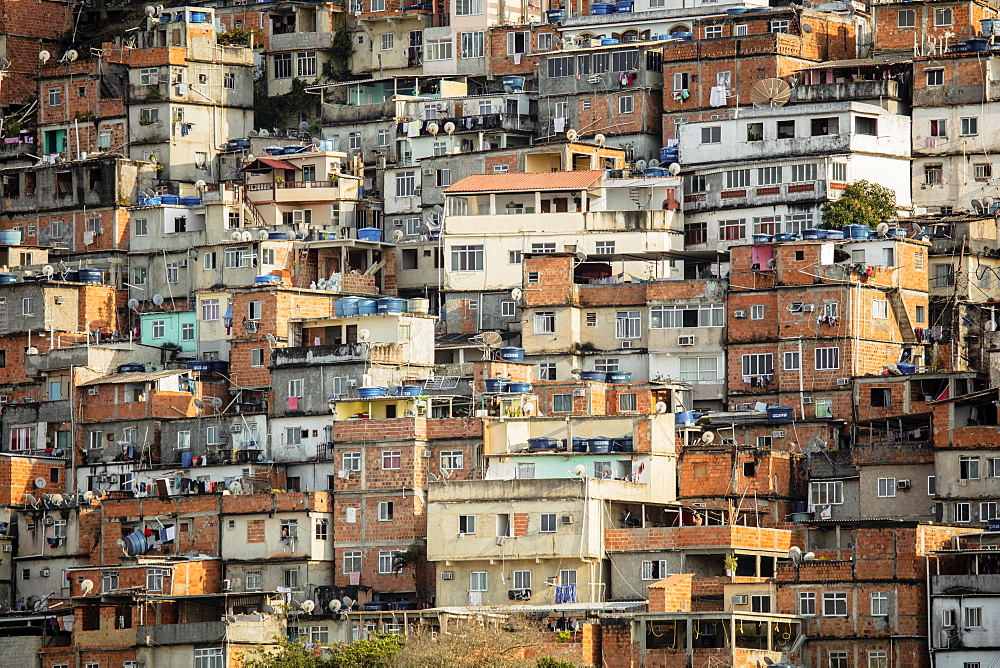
(236, 428)
(626, 344)
(7, 547)
(447, 575)
(741, 314)
(426, 454)
(182, 262)
(579, 393)
(778, 433)
(739, 599)
(686, 340)
(902, 484)
(501, 540)
(4, 399)
(48, 521)
(93, 391)
(843, 381)
(45, 572)
(227, 585)
(567, 519)
(808, 308)
(428, 171)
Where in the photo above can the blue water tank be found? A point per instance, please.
(367, 306)
(511, 354)
(91, 275)
(599, 376)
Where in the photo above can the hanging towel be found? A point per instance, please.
(413, 129)
(559, 124)
(517, 58)
(170, 533)
(717, 97)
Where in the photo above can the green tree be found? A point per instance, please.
(283, 110)
(862, 203)
(376, 652)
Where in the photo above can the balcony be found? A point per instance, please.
(650, 433)
(282, 192)
(182, 634)
(571, 221)
(288, 41)
(783, 193)
(384, 353)
(342, 115)
(851, 90)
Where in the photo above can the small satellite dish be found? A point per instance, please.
(491, 339)
(71, 55)
(267, 609)
(335, 605)
(661, 407)
(449, 127)
(48, 270)
(303, 126)
(770, 93)
(572, 134)
(246, 235)
(771, 264)
(44, 56)
(215, 402)
(599, 139)
(806, 28)
(133, 305)
(988, 204)
(809, 556)
(199, 403)
(580, 470)
(40, 483)
(199, 184)
(307, 606)
(917, 230)
(30, 500)
(347, 601)
(236, 236)
(236, 487)
(708, 437)
(516, 294)
(364, 335)
(674, 169)
(150, 10)
(32, 350)
(654, 163)
(882, 229)
(433, 128)
(528, 408)
(398, 235)
(263, 132)
(991, 326)
(158, 299)
(262, 235)
(88, 496)
(977, 206)
(795, 554)
(57, 499)
(640, 165)
(576, 372)
(87, 586)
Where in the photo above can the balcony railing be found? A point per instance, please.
(254, 187)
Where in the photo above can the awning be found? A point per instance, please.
(135, 377)
(857, 62)
(269, 163)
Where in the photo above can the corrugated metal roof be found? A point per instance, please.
(858, 62)
(527, 181)
(270, 163)
(137, 377)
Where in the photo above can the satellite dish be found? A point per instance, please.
(572, 134)
(200, 184)
(640, 165)
(246, 235)
(236, 236)
(599, 139)
(528, 408)
(809, 556)
(991, 326)
(32, 350)
(661, 407)
(158, 299)
(795, 554)
(215, 402)
(806, 28)
(150, 10)
(40, 483)
(516, 294)
(580, 470)
(71, 55)
(708, 437)
(347, 601)
(303, 126)
(882, 229)
(771, 264)
(433, 128)
(133, 304)
(491, 339)
(796, 646)
(398, 235)
(48, 270)
(267, 609)
(270, 338)
(988, 204)
(674, 169)
(307, 606)
(449, 127)
(88, 496)
(770, 93)
(30, 500)
(654, 163)
(236, 487)
(87, 586)
(364, 335)
(262, 235)
(977, 205)
(56, 499)
(263, 132)
(335, 605)
(44, 56)
(199, 403)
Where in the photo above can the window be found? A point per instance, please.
(942, 16)
(807, 603)
(187, 331)
(628, 402)
(880, 309)
(769, 176)
(293, 436)
(758, 364)
(352, 561)
(391, 460)
(562, 403)
(968, 468)
(606, 364)
(514, 257)
(256, 357)
(988, 510)
(518, 42)
(786, 129)
(306, 63)
(322, 528)
(466, 524)
(467, 7)
(865, 125)
(386, 510)
(886, 488)
(712, 32)
(934, 77)
(838, 171)
(28, 306)
(543, 248)
(508, 309)
(686, 316)
(443, 178)
(792, 361)
(291, 577)
(567, 576)
(680, 80)
(982, 171)
(948, 619)
(760, 603)
(807, 172)
(906, 18)
(963, 512)
(282, 66)
(834, 604)
(695, 233)
(626, 104)
(697, 183)
(779, 26)
(547, 522)
(452, 460)
(585, 104)
(208, 657)
(477, 581)
(545, 322)
(547, 371)
(472, 44)
(560, 67)
(467, 258)
(741, 29)
(878, 658)
(545, 42)
(732, 230)
(522, 579)
(149, 76)
(154, 578)
(654, 569)
(827, 358)
(229, 81)
(757, 312)
(503, 525)
(693, 369)
(973, 617)
(879, 603)
(939, 128)
(738, 178)
(406, 184)
(822, 127)
(627, 325)
(386, 41)
(933, 175)
(711, 135)
(437, 50)
(354, 141)
(970, 126)
(826, 493)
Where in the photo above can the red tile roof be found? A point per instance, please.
(527, 181)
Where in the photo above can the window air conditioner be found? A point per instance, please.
(447, 575)
(902, 484)
(739, 599)
(579, 393)
(426, 454)
(686, 340)
(567, 519)
(807, 400)
(808, 308)
(741, 314)
(843, 381)
(626, 344)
